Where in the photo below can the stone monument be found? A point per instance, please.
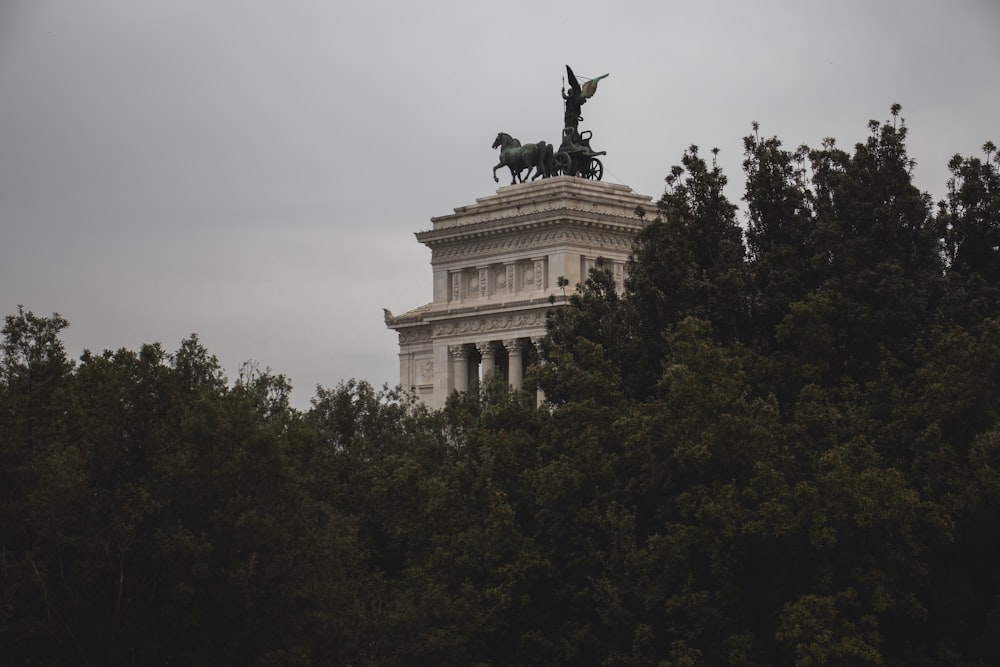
(500, 264)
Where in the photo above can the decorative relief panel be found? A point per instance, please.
(511, 272)
(427, 370)
(483, 283)
(456, 286)
(539, 273)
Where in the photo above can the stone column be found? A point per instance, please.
(460, 366)
(443, 377)
(489, 358)
(515, 366)
(539, 394)
(619, 277)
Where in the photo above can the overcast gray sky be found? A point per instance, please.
(253, 171)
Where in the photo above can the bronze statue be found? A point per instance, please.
(574, 156)
(576, 97)
(518, 158)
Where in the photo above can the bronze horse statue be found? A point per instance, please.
(517, 158)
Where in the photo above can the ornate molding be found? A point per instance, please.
(483, 285)
(414, 335)
(513, 346)
(487, 324)
(606, 240)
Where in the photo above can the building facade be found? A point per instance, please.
(496, 268)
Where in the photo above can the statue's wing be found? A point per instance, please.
(574, 85)
(590, 87)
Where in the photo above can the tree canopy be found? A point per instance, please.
(779, 444)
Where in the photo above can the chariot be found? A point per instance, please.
(576, 158)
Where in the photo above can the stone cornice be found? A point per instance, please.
(560, 201)
(538, 215)
(606, 237)
(508, 309)
(560, 192)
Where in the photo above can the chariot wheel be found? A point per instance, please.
(595, 171)
(562, 165)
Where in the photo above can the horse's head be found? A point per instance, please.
(500, 139)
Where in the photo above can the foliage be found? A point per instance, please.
(778, 445)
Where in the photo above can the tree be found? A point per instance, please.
(970, 220)
(787, 249)
(884, 269)
(34, 371)
(689, 262)
(784, 459)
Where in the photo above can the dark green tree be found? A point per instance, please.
(689, 262)
(970, 220)
(883, 273)
(788, 254)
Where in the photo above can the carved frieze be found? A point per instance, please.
(485, 324)
(414, 335)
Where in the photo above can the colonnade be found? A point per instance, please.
(476, 361)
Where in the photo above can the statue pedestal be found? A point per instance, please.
(496, 266)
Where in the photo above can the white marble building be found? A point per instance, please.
(497, 265)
